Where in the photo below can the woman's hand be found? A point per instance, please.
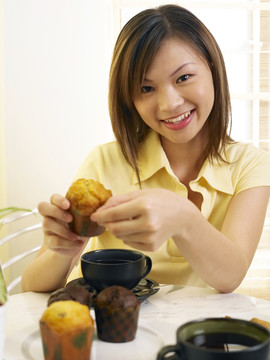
(57, 235)
(59, 252)
(144, 219)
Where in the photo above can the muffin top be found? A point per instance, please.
(117, 297)
(86, 195)
(67, 315)
(71, 292)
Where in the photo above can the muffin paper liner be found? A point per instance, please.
(69, 345)
(83, 226)
(116, 325)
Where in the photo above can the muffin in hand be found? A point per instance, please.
(66, 329)
(85, 197)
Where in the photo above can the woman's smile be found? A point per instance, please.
(180, 121)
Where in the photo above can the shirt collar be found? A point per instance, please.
(217, 175)
(152, 158)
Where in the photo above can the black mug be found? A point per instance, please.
(219, 338)
(107, 267)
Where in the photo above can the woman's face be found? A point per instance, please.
(177, 94)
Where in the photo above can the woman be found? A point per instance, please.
(184, 192)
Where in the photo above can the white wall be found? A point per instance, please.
(55, 86)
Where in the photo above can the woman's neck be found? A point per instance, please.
(185, 160)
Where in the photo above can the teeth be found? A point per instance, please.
(179, 118)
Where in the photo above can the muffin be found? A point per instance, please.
(71, 292)
(81, 283)
(117, 312)
(66, 329)
(85, 197)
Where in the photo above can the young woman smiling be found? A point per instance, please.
(183, 191)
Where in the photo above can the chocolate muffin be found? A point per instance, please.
(71, 292)
(85, 197)
(117, 312)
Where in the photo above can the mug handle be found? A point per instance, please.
(148, 265)
(174, 349)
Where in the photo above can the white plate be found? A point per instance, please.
(27, 346)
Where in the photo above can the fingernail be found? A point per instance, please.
(65, 204)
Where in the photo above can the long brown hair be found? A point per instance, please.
(135, 49)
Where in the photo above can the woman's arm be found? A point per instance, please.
(60, 250)
(146, 219)
(47, 272)
(223, 258)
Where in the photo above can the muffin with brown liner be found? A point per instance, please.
(66, 329)
(117, 312)
(85, 197)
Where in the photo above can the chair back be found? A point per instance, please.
(21, 239)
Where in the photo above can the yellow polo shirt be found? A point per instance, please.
(218, 183)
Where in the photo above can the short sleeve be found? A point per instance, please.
(254, 169)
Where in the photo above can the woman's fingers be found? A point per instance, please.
(136, 234)
(57, 208)
(57, 235)
(119, 208)
(51, 226)
(60, 201)
(119, 199)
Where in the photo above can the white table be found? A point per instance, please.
(159, 318)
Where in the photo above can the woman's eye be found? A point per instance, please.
(183, 78)
(147, 89)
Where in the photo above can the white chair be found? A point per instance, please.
(17, 245)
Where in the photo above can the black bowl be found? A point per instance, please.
(107, 267)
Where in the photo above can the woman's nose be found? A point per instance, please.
(169, 99)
